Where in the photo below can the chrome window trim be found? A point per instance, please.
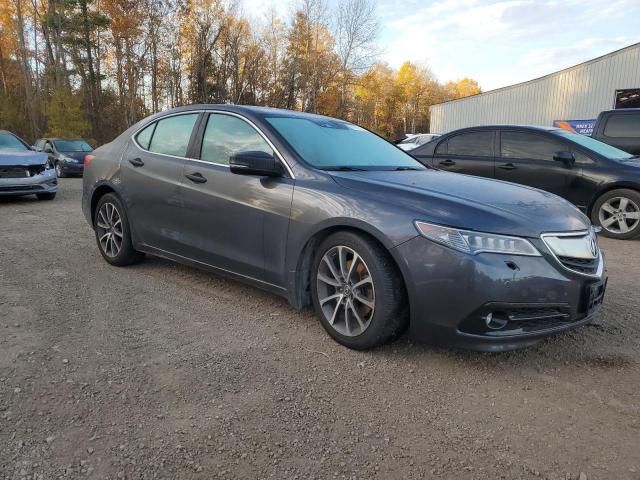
(223, 112)
(579, 233)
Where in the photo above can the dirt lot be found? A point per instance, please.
(163, 371)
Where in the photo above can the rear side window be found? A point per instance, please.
(144, 137)
(529, 146)
(226, 135)
(623, 126)
(171, 135)
(441, 149)
(472, 144)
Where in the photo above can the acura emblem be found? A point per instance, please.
(593, 246)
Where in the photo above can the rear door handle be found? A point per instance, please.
(447, 163)
(196, 177)
(136, 162)
(507, 166)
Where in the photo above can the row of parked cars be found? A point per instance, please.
(34, 170)
(599, 178)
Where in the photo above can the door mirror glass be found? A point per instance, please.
(565, 157)
(254, 163)
(48, 149)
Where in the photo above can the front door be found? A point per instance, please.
(238, 223)
(527, 158)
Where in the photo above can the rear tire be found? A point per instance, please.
(360, 297)
(618, 213)
(46, 196)
(113, 233)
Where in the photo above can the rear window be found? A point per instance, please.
(172, 135)
(471, 144)
(623, 126)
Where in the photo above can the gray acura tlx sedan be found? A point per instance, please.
(324, 212)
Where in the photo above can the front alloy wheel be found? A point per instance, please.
(618, 213)
(345, 291)
(357, 291)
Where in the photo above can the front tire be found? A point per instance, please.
(113, 233)
(59, 172)
(357, 291)
(618, 213)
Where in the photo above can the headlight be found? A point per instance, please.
(476, 242)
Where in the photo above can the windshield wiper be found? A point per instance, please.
(344, 168)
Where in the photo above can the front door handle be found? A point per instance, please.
(507, 166)
(136, 162)
(447, 163)
(196, 177)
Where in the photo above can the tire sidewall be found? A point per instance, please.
(595, 214)
(387, 300)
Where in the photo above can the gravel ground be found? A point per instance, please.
(163, 371)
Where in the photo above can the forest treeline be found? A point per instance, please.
(92, 68)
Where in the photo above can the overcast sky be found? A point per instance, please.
(496, 42)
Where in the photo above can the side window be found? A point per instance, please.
(623, 126)
(581, 157)
(171, 136)
(225, 135)
(144, 137)
(441, 149)
(530, 146)
(473, 143)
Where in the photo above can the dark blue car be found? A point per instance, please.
(66, 155)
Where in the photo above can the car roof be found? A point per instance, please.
(524, 127)
(251, 110)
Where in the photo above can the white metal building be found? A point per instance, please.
(577, 93)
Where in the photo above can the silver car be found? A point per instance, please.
(24, 171)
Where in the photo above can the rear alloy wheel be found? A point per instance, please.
(112, 232)
(618, 213)
(357, 291)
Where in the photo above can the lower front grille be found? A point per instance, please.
(19, 188)
(18, 171)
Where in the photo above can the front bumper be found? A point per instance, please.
(451, 295)
(45, 182)
(71, 168)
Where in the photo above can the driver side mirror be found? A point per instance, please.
(254, 163)
(47, 149)
(565, 157)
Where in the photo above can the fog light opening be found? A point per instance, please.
(496, 320)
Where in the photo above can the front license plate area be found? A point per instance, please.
(594, 296)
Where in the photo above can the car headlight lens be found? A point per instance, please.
(476, 242)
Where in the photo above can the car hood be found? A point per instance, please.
(469, 202)
(22, 158)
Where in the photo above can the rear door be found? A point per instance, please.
(526, 157)
(622, 130)
(238, 223)
(151, 172)
(470, 152)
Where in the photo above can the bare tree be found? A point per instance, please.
(356, 33)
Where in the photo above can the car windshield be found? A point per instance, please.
(331, 144)
(9, 143)
(596, 146)
(72, 146)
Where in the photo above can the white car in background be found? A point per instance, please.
(415, 140)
